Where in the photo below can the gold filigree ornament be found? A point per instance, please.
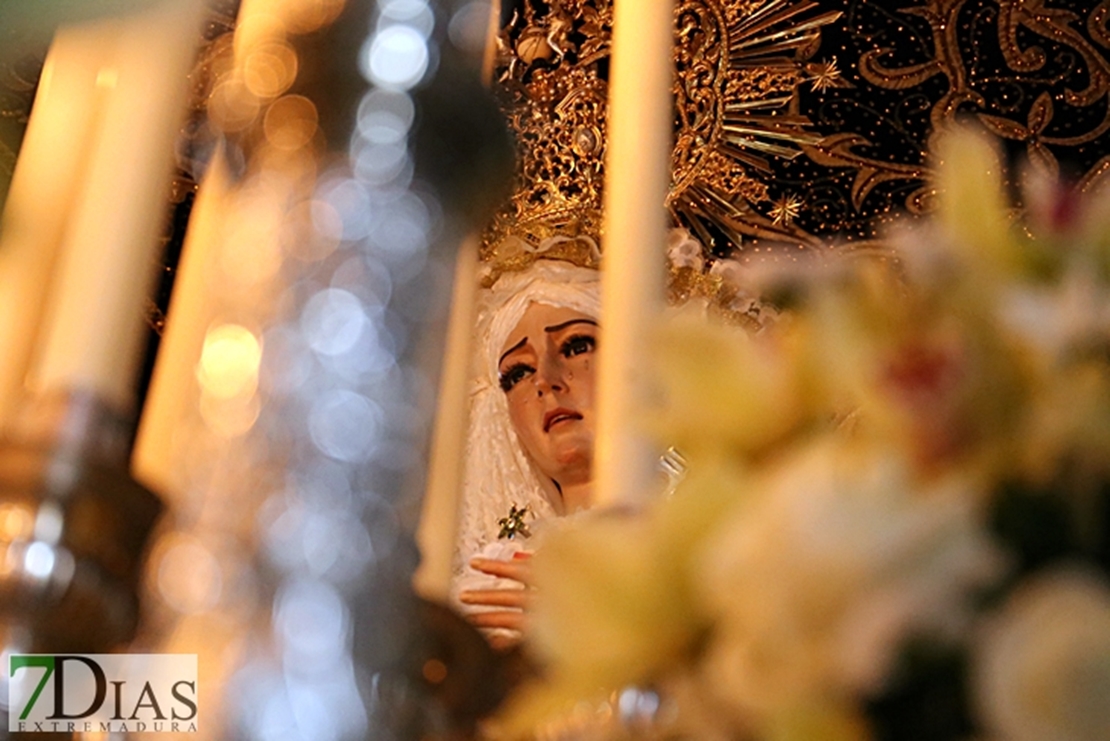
(738, 65)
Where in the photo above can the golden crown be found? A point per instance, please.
(738, 64)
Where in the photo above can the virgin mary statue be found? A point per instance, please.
(530, 442)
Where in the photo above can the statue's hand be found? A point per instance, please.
(514, 598)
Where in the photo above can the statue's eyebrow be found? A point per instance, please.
(564, 325)
(512, 349)
(553, 328)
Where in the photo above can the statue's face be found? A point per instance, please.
(547, 373)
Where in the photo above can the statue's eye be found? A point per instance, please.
(513, 375)
(577, 345)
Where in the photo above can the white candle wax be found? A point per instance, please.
(173, 386)
(439, 518)
(52, 162)
(637, 177)
(93, 331)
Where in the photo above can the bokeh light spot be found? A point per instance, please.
(396, 57)
(269, 70)
(385, 116)
(306, 16)
(229, 362)
(469, 27)
(291, 122)
(189, 576)
(345, 425)
(16, 522)
(232, 106)
(414, 13)
(39, 560)
(311, 621)
(333, 320)
(434, 670)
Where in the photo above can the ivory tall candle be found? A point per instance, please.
(173, 385)
(52, 163)
(92, 333)
(637, 176)
(439, 519)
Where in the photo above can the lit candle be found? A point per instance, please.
(637, 176)
(93, 330)
(52, 161)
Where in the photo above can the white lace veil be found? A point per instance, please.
(498, 472)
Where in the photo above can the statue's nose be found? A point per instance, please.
(551, 373)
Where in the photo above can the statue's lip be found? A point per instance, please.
(558, 415)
